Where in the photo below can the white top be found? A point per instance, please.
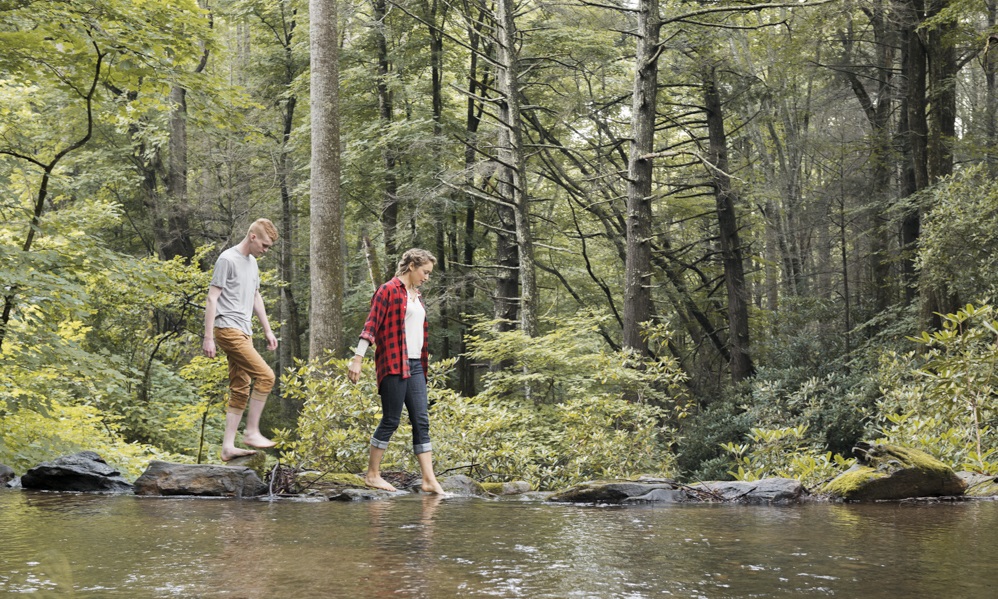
(415, 316)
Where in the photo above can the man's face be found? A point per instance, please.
(259, 244)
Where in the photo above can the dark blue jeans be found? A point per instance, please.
(411, 392)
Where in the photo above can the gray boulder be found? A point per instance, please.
(208, 480)
(6, 474)
(979, 485)
(84, 472)
(462, 485)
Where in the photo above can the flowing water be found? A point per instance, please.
(64, 545)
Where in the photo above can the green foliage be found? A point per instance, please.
(570, 361)
(29, 437)
(942, 400)
(336, 421)
(584, 429)
(784, 452)
(958, 249)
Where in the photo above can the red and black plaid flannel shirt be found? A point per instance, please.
(385, 329)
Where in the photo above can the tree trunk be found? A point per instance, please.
(513, 163)
(637, 266)
(389, 202)
(740, 362)
(326, 264)
(178, 227)
(913, 69)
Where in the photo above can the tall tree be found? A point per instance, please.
(512, 162)
(637, 269)
(739, 362)
(325, 241)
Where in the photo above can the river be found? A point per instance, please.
(66, 545)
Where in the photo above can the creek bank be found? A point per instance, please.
(882, 473)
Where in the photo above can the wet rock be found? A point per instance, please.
(661, 496)
(167, 478)
(648, 490)
(611, 491)
(517, 487)
(256, 462)
(462, 485)
(365, 494)
(84, 472)
(764, 491)
(891, 472)
(6, 474)
(979, 485)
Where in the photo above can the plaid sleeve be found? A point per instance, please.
(379, 307)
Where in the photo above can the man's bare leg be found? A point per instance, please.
(430, 484)
(373, 476)
(252, 435)
(229, 449)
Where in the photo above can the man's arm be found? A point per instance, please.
(261, 314)
(210, 306)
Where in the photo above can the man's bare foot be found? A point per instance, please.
(235, 452)
(257, 440)
(378, 483)
(432, 487)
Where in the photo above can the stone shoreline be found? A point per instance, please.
(915, 476)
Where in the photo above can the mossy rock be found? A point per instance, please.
(507, 488)
(330, 480)
(892, 472)
(257, 462)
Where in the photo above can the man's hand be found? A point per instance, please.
(353, 369)
(209, 347)
(271, 340)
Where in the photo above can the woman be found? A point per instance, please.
(397, 327)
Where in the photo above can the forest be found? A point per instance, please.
(705, 239)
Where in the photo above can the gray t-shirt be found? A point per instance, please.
(239, 278)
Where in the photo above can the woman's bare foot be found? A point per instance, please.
(375, 480)
(235, 452)
(257, 440)
(432, 487)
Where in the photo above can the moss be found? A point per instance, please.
(848, 484)
(893, 456)
(494, 488)
(330, 479)
(893, 472)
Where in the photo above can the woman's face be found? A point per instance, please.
(420, 274)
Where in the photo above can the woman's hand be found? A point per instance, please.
(353, 369)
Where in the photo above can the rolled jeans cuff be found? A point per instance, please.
(379, 444)
(422, 448)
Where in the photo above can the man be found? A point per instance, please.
(233, 298)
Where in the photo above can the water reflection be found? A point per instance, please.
(432, 547)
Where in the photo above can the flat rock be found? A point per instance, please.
(763, 491)
(209, 480)
(609, 491)
(979, 485)
(83, 472)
